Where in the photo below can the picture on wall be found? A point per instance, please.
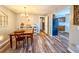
(76, 15)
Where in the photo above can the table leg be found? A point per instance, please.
(27, 43)
(10, 41)
(31, 39)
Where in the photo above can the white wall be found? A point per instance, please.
(74, 32)
(33, 19)
(11, 20)
(67, 23)
(50, 23)
(46, 24)
(4, 31)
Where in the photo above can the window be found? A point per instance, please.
(0, 21)
(3, 19)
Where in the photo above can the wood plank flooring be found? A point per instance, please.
(42, 44)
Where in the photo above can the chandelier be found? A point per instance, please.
(25, 14)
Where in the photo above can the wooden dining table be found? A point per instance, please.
(26, 32)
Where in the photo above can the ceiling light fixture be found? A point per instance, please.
(26, 14)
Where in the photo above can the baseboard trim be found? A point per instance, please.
(2, 45)
(65, 37)
(71, 50)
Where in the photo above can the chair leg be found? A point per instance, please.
(16, 44)
(31, 40)
(19, 42)
(27, 42)
(23, 43)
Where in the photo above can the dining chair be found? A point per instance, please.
(19, 37)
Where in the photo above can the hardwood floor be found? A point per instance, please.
(42, 44)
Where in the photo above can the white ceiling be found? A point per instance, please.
(35, 9)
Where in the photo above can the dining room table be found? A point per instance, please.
(26, 33)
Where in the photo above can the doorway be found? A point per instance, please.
(55, 26)
(42, 24)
